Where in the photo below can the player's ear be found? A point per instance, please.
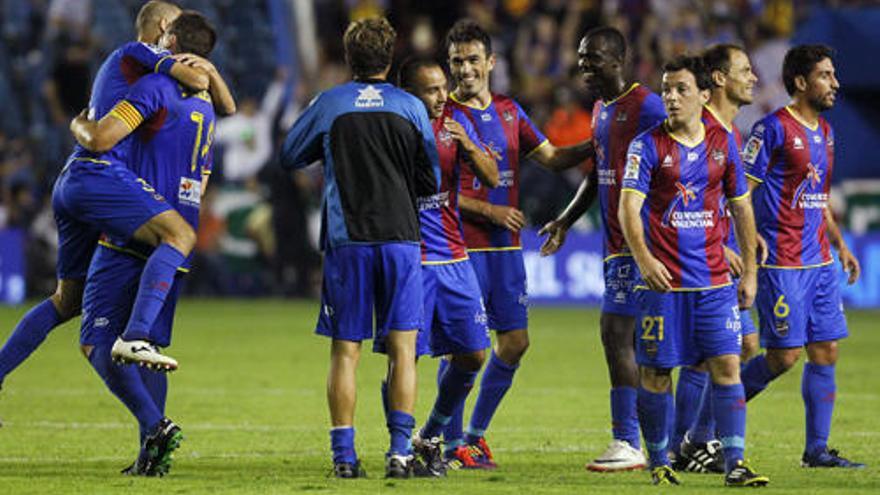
(718, 78)
(705, 94)
(490, 62)
(800, 83)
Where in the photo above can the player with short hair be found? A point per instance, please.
(679, 170)
(622, 112)
(693, 440)
(454, 317)
(789, 158)
(170, 152)
(379, 155)
(492, 220)
(78, 239)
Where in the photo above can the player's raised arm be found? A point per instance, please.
(847, 259)
(557, 229)
(224, 103)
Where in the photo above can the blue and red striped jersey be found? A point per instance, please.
(440, 221)
(509, 134)
(793, 163)
(615, 124)
(710, 119)
(683, 186)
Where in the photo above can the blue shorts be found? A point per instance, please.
(111, 288)
(621, 277)
(799, 307)
(91, 198)
(455, 319)
(359, 278)
(502, 278)
(686, 328)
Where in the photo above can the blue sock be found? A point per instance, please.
(729, 404)
(670, 417)
(453, 432)
(342, 444)
(624, 418)
(156, 281)
(400, 426)
(691, 384)
(384, 390)
(452, 391)
(157, 385)
(126, 384)
(703, 430)
(653, 417)
(30, 332)
(496, 382)
(756, 375)
(818, 389)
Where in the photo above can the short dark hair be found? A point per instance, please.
(406, 74)
(800, 61)
(194, 33)
(717, 57)
(369, 46)
(613, 38)
(694, 65)
(466, 31)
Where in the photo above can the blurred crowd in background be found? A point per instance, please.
(259, 225)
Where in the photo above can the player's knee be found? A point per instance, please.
(823, 353)
(86, 350)
(656, 380)
(182, 238)
(469, 362)
(782, 360)
(512, 348)
(67, 299)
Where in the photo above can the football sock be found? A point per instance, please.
(703, 430)
(495, 383)
(156, 281)
(384, 390)
(653, 417)
(30, 332)
(670, 416)
(157, 386)
(688, 394)
(452, 391)
(624, 418)
(126, 384)
(756, 376)
(818, 389)
(400, 426)
(453, 431)
(342, 444)
(729, 404)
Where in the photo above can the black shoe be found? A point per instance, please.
(700, 457)
(348, 470)
(398, 466)
(743, 475)
(430, 453)
(130, 470)
(828, 458)
(155, 458)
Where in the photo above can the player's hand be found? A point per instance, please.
(555, 232)
(195, 62)
(748, 287)
(850, 265)
(455, 129)
(507, 217)
(655, 275)
(735, 261)
(763, 251)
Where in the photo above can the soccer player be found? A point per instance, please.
(171, 154)
(623, 111)
(679, 170)
(492, 220)
(789, 158)
(693, 441)
(454, 317)
(379, 155)
(77, 239)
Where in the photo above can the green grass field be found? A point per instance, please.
(250, 398)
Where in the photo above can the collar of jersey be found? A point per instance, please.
(717, 117)
(801, 120)
(628, 91)
(453, 98)
(370, 80)
(681, 141)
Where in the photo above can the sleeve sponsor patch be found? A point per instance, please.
(751, 149)
(632, 167)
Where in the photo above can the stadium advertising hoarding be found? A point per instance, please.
(574, 274)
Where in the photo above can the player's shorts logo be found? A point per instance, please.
(101, 322)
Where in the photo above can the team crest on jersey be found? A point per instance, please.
(369, 97)
(817, 139)
(718, 156)
(507, 116)
(667, 162)
(797, 144)
(603, 115)
(750, 152)
(621, 116)
(444, 137)
(692, 156)
(189, 192)
(632, 167)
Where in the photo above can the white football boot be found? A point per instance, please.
(619, 456)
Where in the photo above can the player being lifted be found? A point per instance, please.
(693, 440)
(454, 318)
(379, 155)
(679, 170)
(789, 158)
(623, 111)
(170, 154)
(492, 220)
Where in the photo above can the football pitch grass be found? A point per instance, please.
(250, 397)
